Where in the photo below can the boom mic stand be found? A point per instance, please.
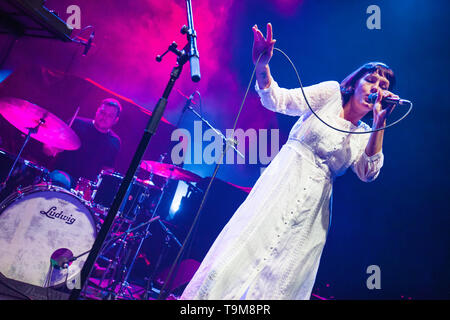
(189, 53)
(225, 140)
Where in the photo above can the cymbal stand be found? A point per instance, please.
(113, 263)
(225, 140)
(120, 260)
(168, 237)
(27, 138)
(146, 234)
(126, 271)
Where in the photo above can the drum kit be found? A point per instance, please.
(46, 230)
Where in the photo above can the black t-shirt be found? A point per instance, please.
(97, 151)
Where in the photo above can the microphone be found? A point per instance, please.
(194, 60)
(61, 258)
(89, 43)
(386, 101)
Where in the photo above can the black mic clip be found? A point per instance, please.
(172, 48)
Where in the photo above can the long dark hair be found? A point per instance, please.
(348, 84)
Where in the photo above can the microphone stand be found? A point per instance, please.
(182, 57)
(175, 265)
(220, 134)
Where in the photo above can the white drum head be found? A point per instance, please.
(36, 224)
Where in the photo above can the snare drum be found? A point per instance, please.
(34, 223)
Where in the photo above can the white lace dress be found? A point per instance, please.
(271, 247)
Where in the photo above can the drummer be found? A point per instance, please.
(99, 147)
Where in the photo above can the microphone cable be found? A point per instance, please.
(205, 195)
(315, 114)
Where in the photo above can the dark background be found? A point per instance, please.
(398, 222)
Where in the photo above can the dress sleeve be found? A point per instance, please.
(291, 101)
(367, 168)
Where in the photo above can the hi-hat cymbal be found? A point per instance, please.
(169, 171)
(25, 115)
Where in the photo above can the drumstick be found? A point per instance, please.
(74, 116)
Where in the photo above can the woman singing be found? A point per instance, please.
(271, 247)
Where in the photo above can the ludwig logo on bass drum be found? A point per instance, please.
(53, 214)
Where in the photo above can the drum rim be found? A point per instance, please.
(110, 173)
(36, 166)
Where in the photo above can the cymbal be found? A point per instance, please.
(148, 183)
(169, 171)
(53, 132)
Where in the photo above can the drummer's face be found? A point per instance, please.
(106, 117)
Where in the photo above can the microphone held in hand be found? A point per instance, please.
(388, 101)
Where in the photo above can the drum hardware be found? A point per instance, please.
(22, 194)
(105, 188)
(45, 218)
(169, 236)
(118, 263)
(59, 260)
(169, 172)
(141, 242)
(27, 138)
(227, 143)
(42, 176)
(24, 115)
(116, 269)
(84, 189)
(138, 199)
(25, 174)
(107, 185)
(188, 54)
(115, 264)
(36, 123)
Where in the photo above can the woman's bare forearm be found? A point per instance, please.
(375, 143)
(263, 76)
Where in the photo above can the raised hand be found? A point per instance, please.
(262, 45)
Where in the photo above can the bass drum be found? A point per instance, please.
(36, 222)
